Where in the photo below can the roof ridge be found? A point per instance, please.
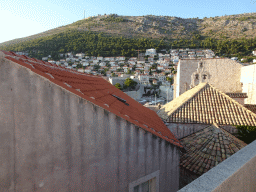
(186, 99)
(233, 100)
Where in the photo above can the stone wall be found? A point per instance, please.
(53, 140)
(224, 74)
(248, 78)
(166, 90)
(136, 95)
(181, 130)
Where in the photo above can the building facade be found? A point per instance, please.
(66, 131)
(223, 74)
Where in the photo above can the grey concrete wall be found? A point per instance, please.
(166, 90)
(181, 130)
(52, 140)
(235, 174)
(136, 95)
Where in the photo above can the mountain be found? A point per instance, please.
(231, 26)
(153, 28)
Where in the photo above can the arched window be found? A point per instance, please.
(196, 76)
(204, 76)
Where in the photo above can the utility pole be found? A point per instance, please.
(155, 98)
(138, 53)
(167, 94)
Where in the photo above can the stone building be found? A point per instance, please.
(62, 130)
(204, 105)
(222, 73)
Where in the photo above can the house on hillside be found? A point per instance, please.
(64, 130)
(150, 52)
(204, 105)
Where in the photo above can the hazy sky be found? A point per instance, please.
(21, 18)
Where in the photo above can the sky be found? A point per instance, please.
(22, 18)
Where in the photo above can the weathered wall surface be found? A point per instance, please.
(136, 95)
(248, 78)
(52, 140)
(181, 130)
(224, 74)
(166, 91)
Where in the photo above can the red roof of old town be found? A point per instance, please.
(100, 92)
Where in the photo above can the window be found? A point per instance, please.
(196, 76)
(149, 183)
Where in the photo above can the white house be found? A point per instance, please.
(234, 58)
(254, 53)
(95, 61)
(100, 58)
(161, 78)
(151, 51)
(62, 60)
(140, 62)
(80, 54)
(81, 70)
(254, 60)
(44, 58)
(74, 65)
(102, 63)
(112, 63)
(144, 79)
(52, 61)
(160, 67)
(85, 63)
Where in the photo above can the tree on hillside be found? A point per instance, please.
(118, 86)
(129, 83)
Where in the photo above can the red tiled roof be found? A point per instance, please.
(98, 91)
(237, 95)
(251, 107)
(205, 104)
(207, 148)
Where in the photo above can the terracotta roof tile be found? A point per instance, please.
(207, 148)
(206, 104)
(98, 91)
(251, 107)
(237, 95)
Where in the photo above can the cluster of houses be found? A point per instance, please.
(62, 129)
(138, 66)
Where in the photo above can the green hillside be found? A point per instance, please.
(111, 35)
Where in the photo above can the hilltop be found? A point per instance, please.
(160, 27)
(113, 35)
